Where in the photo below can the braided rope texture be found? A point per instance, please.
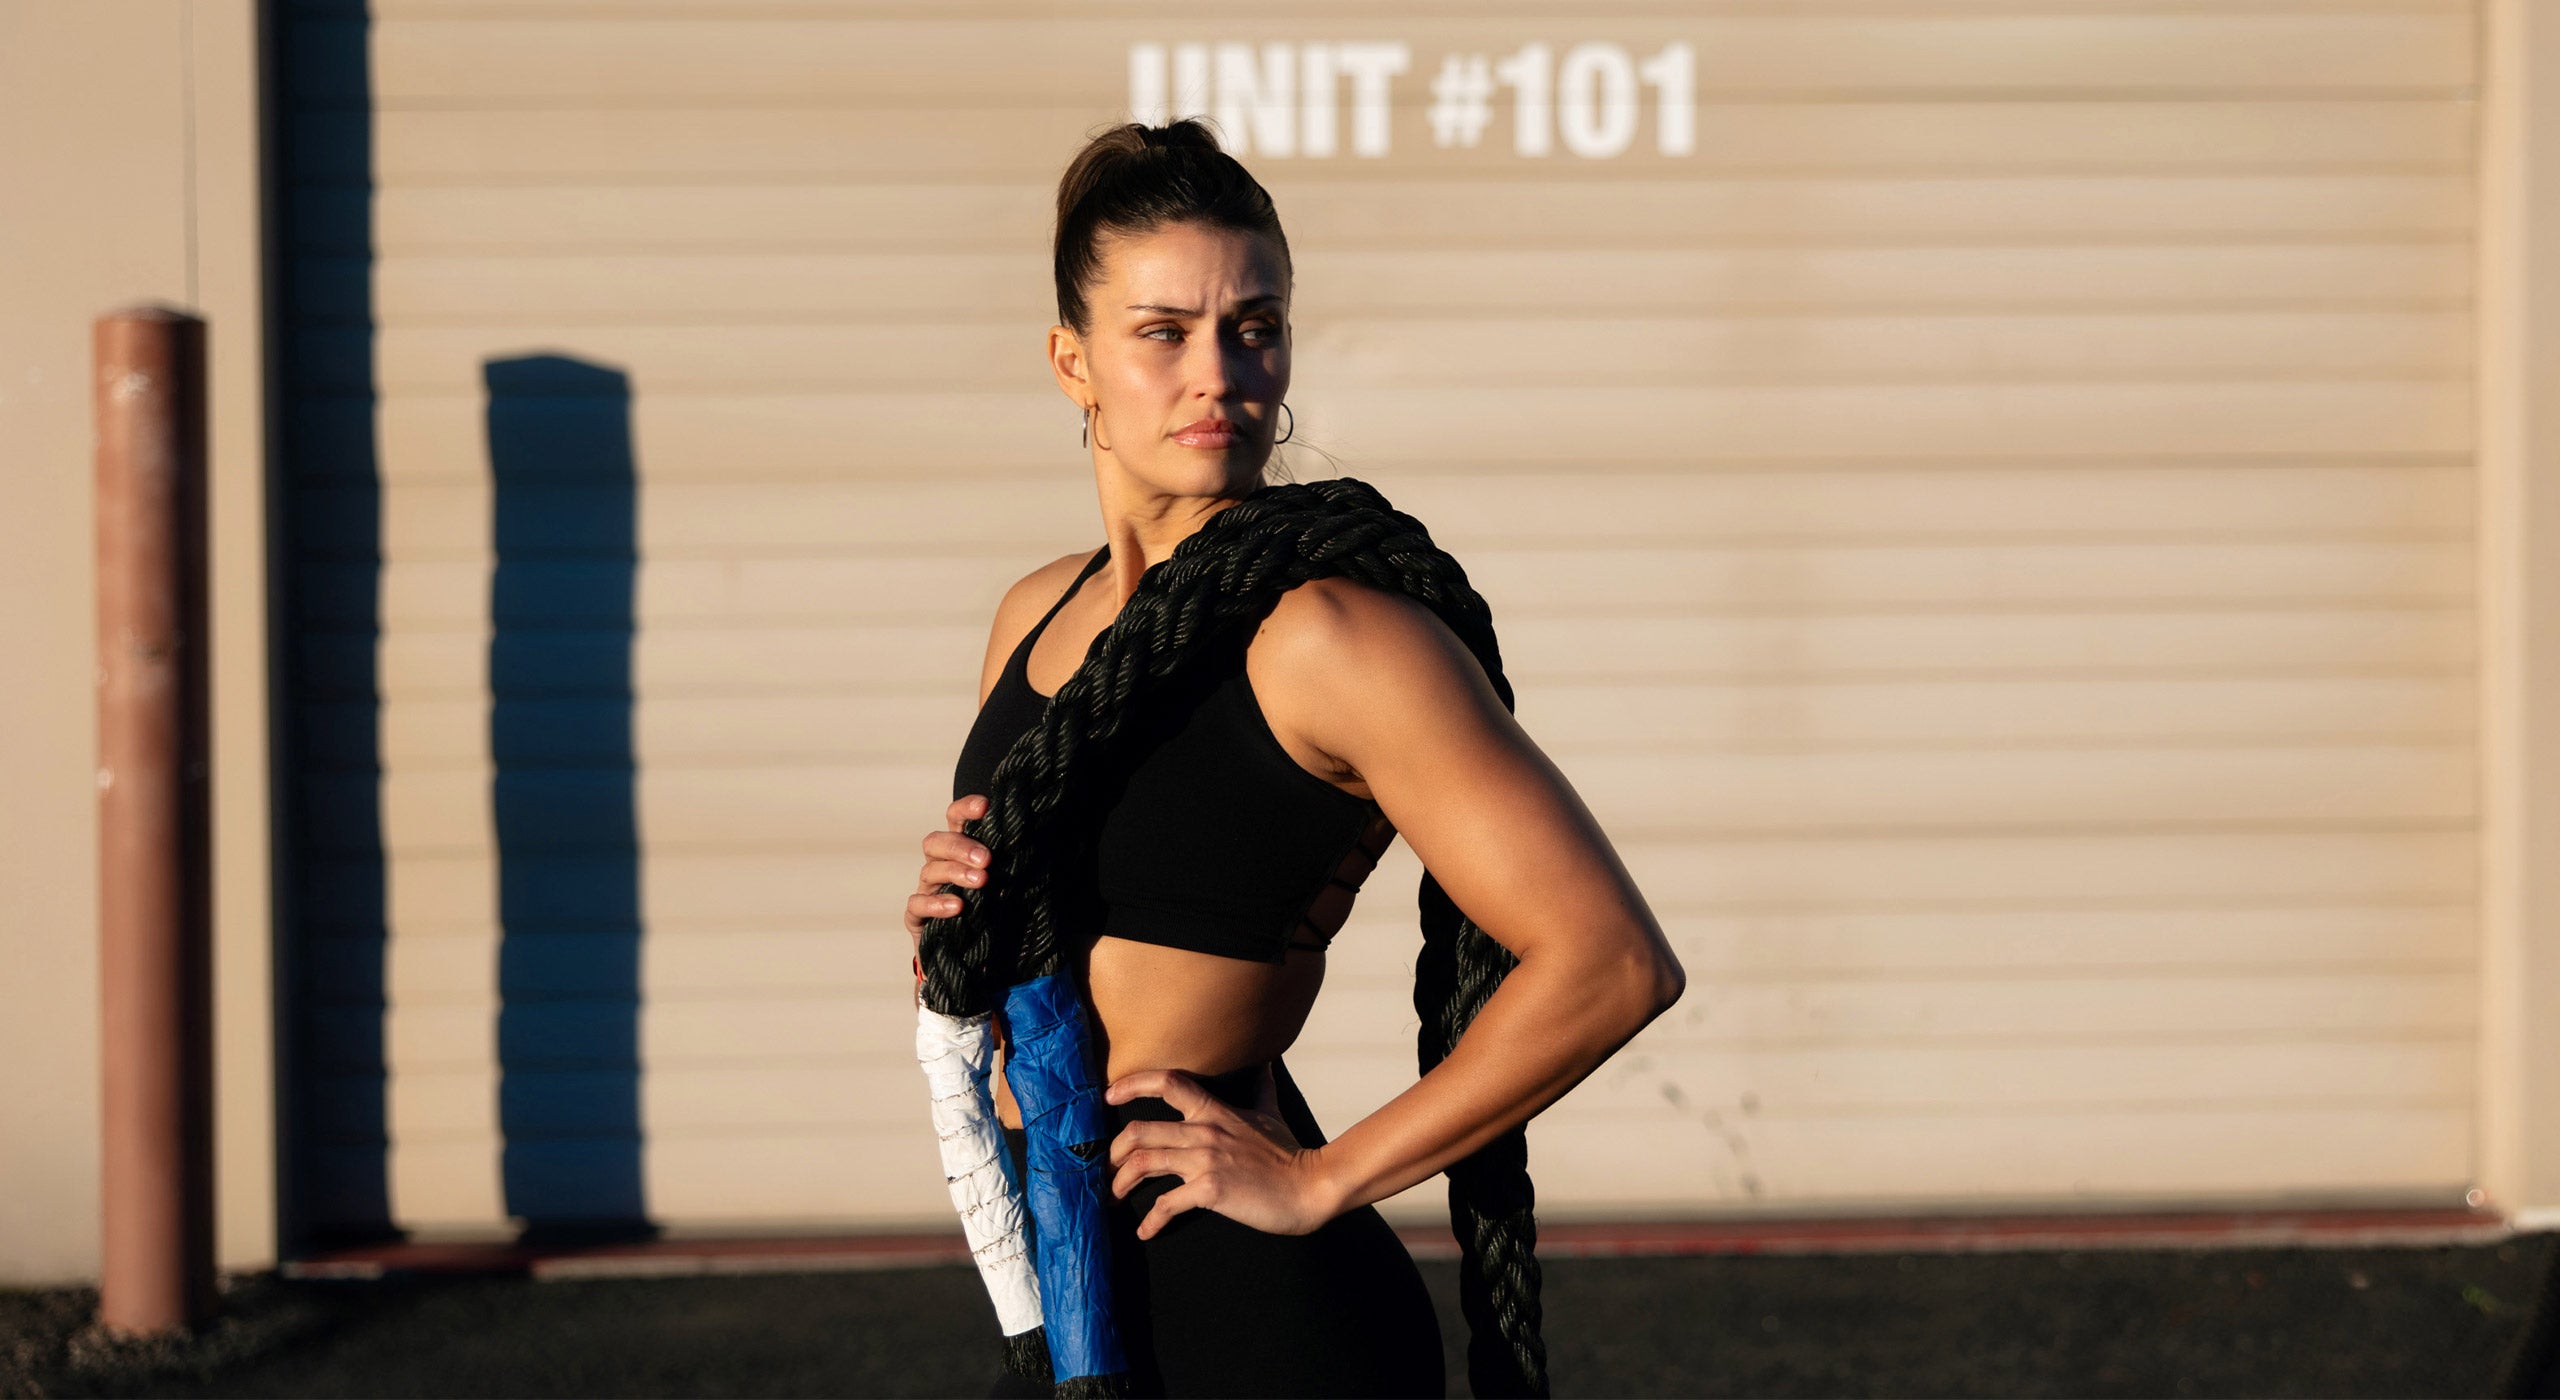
(1042, 816)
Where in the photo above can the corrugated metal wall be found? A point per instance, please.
(1988, 530)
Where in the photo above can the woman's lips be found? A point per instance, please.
(1206, 432)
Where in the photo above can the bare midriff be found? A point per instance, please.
(1156, 1007)
(1160, 1007)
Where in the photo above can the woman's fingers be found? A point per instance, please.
(1187, 1196)
(945, 871)
(1182, 1159)
(955, 850)
(950, 859)
(922, 906)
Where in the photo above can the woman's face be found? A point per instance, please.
(1190, 327)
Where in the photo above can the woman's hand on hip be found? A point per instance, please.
(1243, 1163)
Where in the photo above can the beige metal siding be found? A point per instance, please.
(1989, 532)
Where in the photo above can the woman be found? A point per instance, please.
(1252, 1259)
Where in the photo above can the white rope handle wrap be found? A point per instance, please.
(958, 1055)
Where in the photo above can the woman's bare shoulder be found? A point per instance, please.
(1335, 641)
(1021, 606)
(1334, 621)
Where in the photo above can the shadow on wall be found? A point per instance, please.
(332, 1119)
(560, 458)
(565, 537)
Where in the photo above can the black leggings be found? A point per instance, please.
(1212, 1307)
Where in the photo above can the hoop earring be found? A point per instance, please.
(1085, 438)
(1293, 425)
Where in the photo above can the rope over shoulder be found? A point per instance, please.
(1014, 932)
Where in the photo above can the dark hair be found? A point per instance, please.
(1135, 178)
(1219, 580)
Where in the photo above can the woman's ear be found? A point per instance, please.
(1067, 362)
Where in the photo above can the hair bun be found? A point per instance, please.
(1134, 178)
(1189, 133)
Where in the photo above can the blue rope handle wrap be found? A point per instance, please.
(1049, 1067)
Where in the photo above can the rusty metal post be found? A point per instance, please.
(154, 823)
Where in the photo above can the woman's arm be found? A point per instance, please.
(1378, 682)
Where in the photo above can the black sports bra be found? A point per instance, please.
(1219, 841)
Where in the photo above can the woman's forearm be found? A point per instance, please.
(1554, 1020)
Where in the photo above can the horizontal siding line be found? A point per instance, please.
(446, 11)
(917, 1126)
(1561, 1114)
(2054, 973)
(713, 930)
(2345, 605)
(431, 10)
(1733, 1119)
(1009, 324)
(823, 390)
(1401, 1050)
(1727, 308)
(1957, 830)
(2095, 460)
(480, 928)
(1618, 545)
(587, 247)
(1509, 613)
(803, 992)
(1743, 1044)
(894, 891)
(894, 982)
(1701, 467)
(1578, 679)
(1814, 906)
(2289, 741)
(717, 389)
(1413, 102)
(1310, 1052)
(1367, 176)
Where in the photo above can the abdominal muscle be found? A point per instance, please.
(1159, 1007)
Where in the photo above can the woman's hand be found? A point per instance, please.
(1244, 1163)
(949, 859)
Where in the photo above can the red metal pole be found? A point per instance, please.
(154, 823)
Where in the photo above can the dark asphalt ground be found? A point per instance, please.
(2387, 1321)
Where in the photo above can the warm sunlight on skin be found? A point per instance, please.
(1189, 323)
(1367, 690)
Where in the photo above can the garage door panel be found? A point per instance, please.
(422, 56)
(819, 435)
(1801, 1083)
(1657, 1165)
(531, 219)
(1546, 349)
(855, 726)
(1014, 141)
(2418, 640)
(568, 594)
(2426, 271)
(1001, 524)
(1991, 534)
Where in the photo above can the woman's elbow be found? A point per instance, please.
(1647, 980)
(1669, 981)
